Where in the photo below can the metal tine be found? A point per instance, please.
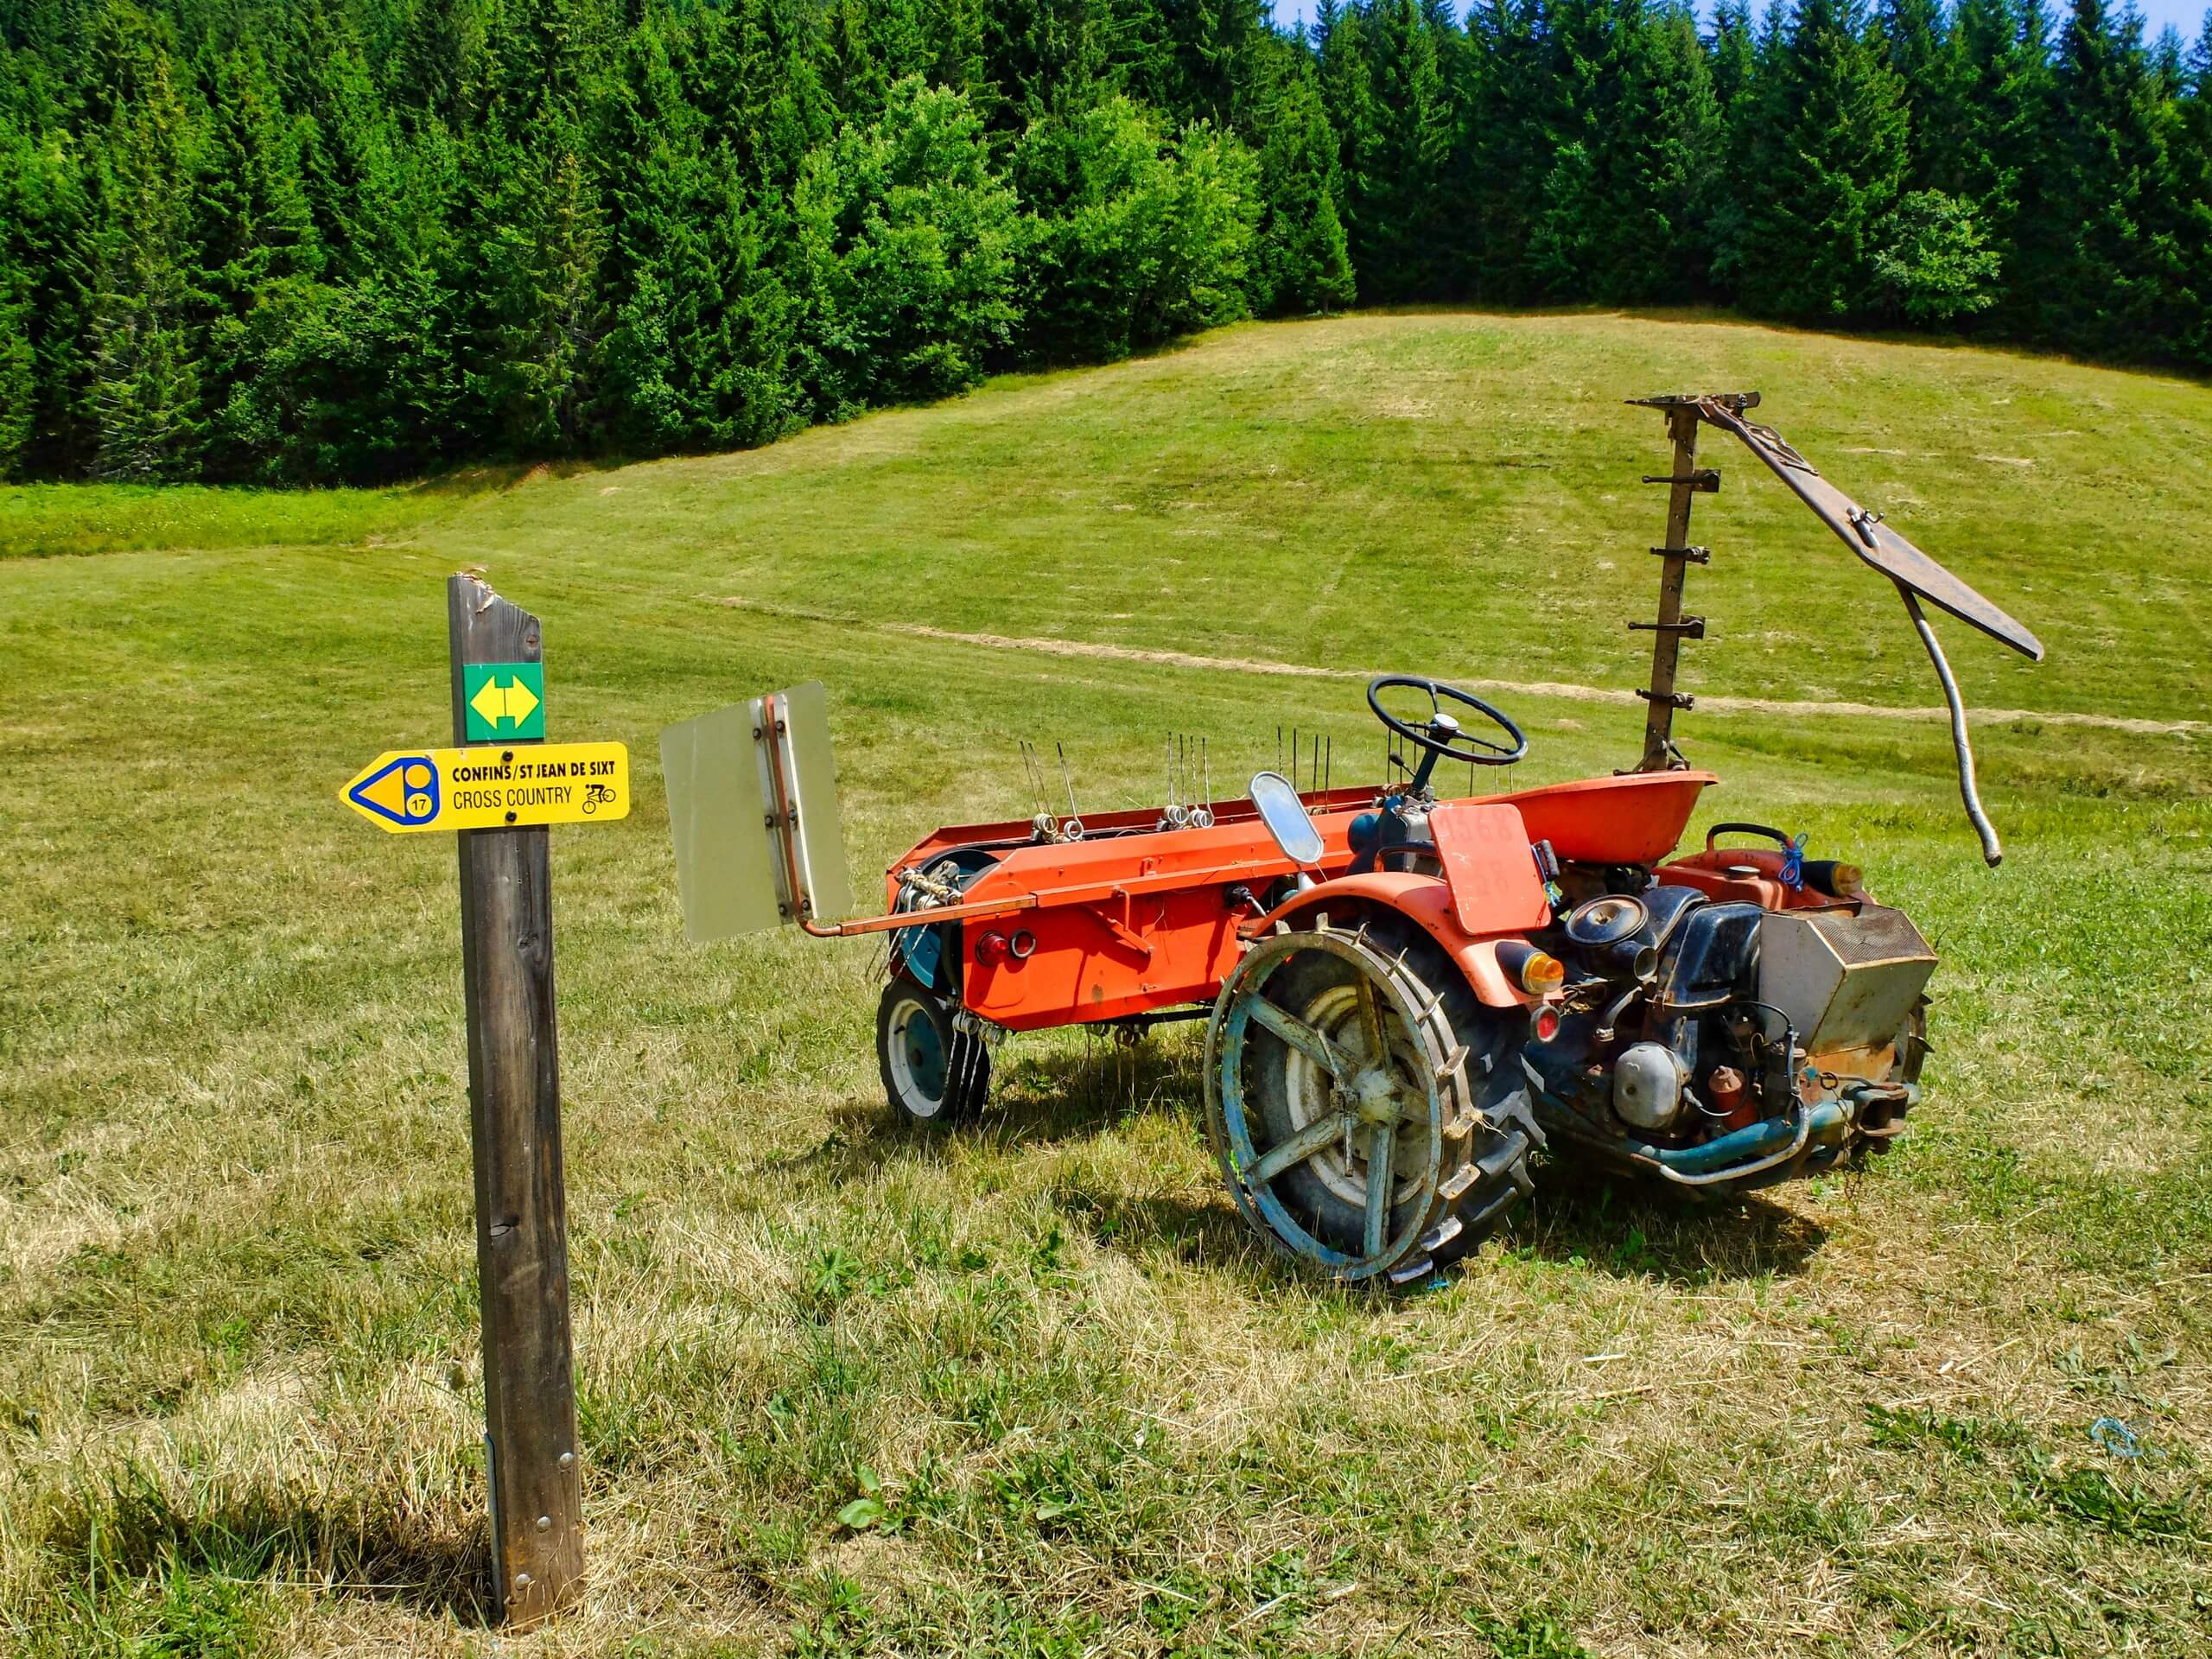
(976, 1060)
(1060, 749)
(1328, 764)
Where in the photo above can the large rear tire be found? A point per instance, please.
(934, 1074)
(1370, 1116)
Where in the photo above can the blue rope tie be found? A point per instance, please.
(2115, 1437)
(1793, 864)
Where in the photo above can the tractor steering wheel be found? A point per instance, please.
(1440, 733)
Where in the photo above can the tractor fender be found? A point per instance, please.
(1424, 900)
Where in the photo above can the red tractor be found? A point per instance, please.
(1407, 996)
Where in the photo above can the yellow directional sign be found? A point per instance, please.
(404, 790)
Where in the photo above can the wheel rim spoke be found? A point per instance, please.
(1317, 1136)
(1370, 1022)
(1381, 1182)
(1300, 1036)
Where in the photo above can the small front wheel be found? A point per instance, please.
(933, 1073)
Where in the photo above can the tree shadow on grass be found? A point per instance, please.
(1077, 1089)
(1632, 1228)
(129, 1530)
(1201, 1231)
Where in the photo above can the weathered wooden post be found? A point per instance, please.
(514, 1095)
(1672, 626)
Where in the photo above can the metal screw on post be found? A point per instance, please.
(514, 1094)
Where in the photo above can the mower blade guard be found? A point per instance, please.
(1869, 537)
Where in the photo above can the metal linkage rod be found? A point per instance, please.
(1991, 851)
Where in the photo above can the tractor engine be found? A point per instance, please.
(1727, 1040)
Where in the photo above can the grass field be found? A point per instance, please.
(240, 1399)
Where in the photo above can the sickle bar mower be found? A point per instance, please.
(1406, 995)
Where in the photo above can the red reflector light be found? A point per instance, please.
(1544, 1024)
(994, 947)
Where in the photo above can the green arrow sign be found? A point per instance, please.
(506, 699)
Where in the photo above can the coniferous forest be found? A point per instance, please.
(293, 241)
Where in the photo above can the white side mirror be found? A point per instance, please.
(1287, 819)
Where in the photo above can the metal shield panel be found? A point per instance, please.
(823, 874)
(725, 859)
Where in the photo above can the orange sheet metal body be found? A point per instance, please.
(1128, 923)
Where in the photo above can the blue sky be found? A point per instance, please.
(2187, 15)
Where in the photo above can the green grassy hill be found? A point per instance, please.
(240, 1398)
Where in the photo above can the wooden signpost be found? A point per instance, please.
(499, 797)
(522, 1220)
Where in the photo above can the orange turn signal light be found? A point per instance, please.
(1541, 974)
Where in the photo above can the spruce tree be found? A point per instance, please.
(1045, 55)
(1635, 133)
(436, 61)
(1584, 43)
(1396, 228)
(693, 357)
(2191, 172)
(50, 265)
(18, 358)
(1347, 90)
(1504, 155)
(1666, 166)
(531, 236)
(253, 257)
(144, 397)
(1982, 129)
(1303, 261)
(1912, 37)
(1829, 162)
(2097, 273)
